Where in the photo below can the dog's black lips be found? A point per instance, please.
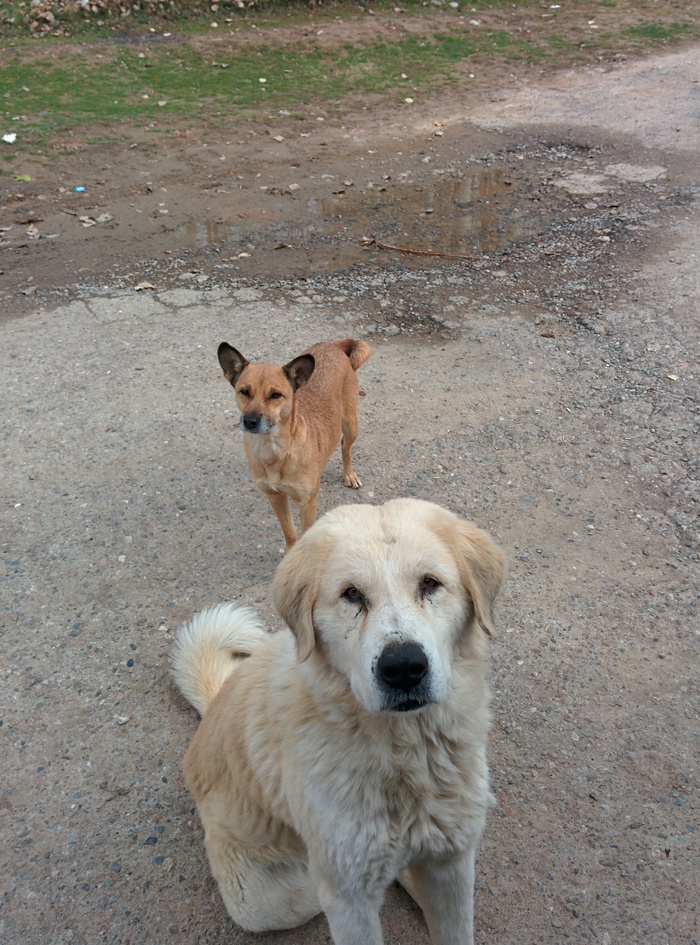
(410, 705)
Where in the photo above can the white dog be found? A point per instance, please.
(350, 752)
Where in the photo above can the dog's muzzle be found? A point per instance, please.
(254, 423)
(403, 671)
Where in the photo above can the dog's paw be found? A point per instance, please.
(352, 481)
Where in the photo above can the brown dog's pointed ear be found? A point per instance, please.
(482, 567)
(299, 370)
(294, 591)
(232, 362)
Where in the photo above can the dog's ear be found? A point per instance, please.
(482, 567)
(294, 591)
(299, 370)
(232, 362)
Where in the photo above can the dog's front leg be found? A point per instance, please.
(352, 910)
(307, 510)
(282, 508)
(444, 889)
(352, 920)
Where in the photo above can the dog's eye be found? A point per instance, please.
(428, 585)
(244, 392)
(353, 595)
(275, 395)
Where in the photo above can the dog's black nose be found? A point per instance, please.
(403, 665)
(251, 421)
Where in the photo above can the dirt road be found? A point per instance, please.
(545, 387)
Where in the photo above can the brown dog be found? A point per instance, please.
(293, 417)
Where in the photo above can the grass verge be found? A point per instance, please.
(54, 85)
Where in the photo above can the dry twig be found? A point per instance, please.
(369, 241)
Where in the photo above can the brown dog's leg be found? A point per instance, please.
(282, 508)
(349, 426)
(308, 512)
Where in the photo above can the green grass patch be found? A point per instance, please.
(111, 87)
(660, 32)
(52, 86)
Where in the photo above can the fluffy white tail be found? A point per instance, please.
(209, 646)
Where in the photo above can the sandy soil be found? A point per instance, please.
(545, 385)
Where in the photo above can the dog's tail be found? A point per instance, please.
(208, 648)
(357, 351)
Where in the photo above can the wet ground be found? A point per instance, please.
(513, 211)
(545, 386)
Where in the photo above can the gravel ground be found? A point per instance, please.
(550, 396)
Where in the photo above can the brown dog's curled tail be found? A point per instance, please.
(357, 351)
(208, 648)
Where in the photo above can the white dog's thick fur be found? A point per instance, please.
(352, 751)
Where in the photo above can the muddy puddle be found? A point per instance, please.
(481, 212)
